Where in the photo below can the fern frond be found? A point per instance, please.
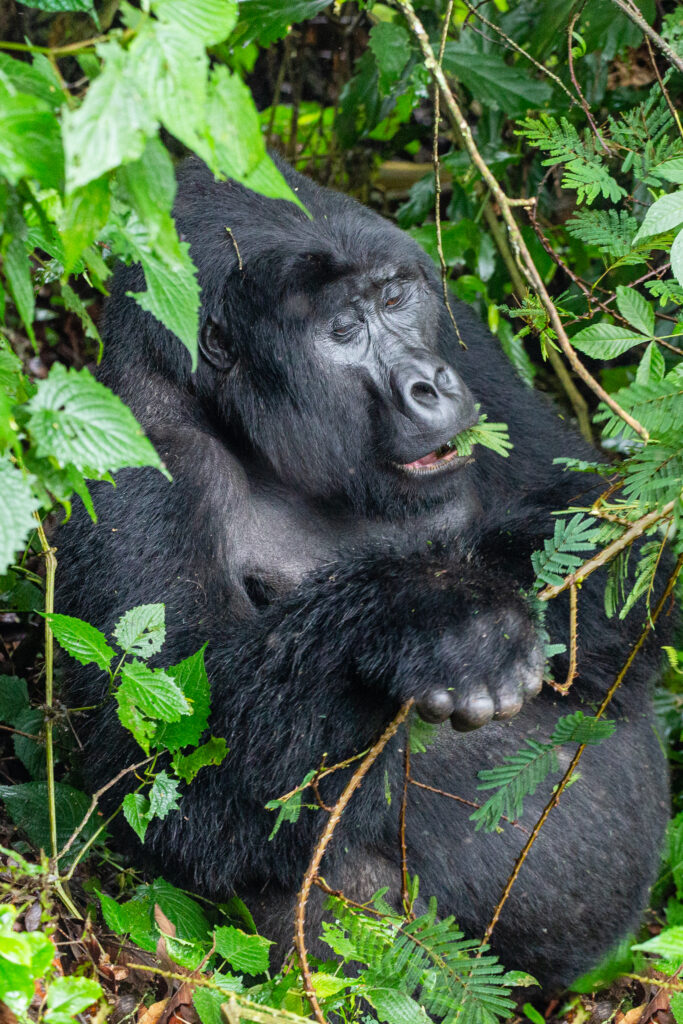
(654, 474)
(611, 231)
(519, 776)
(657, 405)
(558, 557)
(644, 575)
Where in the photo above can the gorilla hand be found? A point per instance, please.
(483, 670)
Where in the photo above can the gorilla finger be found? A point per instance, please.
(508, 701)
(473, 711)
(531, 676)
(435, 707)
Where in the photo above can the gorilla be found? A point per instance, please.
(340, 557)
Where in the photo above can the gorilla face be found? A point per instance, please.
(379, 326)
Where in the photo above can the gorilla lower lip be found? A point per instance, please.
(434, 461)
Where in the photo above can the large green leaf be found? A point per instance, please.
(248, 953)
(67, 997)
(605, 341)
(390, 44)
(112, 124)
(269, 20)
(27, 806)
(82, 641)
(209, 21)
(30, 142)
(190, 676)
(77, 420)
(494, 82)
(152, 691)
(172, 295)
(17, 505)
(60, 6)
(664, 214)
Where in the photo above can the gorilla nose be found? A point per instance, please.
(431, 394)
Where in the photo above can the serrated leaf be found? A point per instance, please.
(636, 309)
(669, 943)
(493, 81)
(17, 504)
(269, 20)
(112, 124)
(27, 806)
(67, 997)
(652, 366)
(676, 257)
(248, 953)
(136, 811)
(185, 913)
(17, 269)
(152, 691)
(82, 641)
(30, 141)
(190, 676)
(85, 213)
(164, 795)
(131, 718)
(77, 420)
(664, 214)
(214, 751)
(605, 341)
(130, 918)
(13, 698)
(670, 170)
(142, 630)
(172, 295)
(209, 21)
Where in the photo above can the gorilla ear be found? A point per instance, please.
(214, 345)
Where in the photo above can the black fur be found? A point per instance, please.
(332, 585)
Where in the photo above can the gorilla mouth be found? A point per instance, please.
(441, 458)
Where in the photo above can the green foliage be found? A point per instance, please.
(559, 556)
(490, 435)
(522, 773)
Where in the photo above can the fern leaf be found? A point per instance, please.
(558, 557)
(657, 405)
(519, 776)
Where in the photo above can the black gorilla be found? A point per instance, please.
(339, 559)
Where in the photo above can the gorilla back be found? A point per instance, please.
(339, 557)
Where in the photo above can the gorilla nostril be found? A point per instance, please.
(424, 392)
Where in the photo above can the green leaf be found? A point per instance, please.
(82, 641)
(605, 341)
(17, 268)
(152, 691)
(24, 956)
(13, 698)
(27, 805)
(30, 141)
(18, 76)
(30, 752)
(670, 170)
(181, 909)
(669, 944)
(190, 676)
(131, 718)
(636, 309)
(269, 20)
(131, 918)
(163, 796)
(112, 124)
(248, 953)
(17, 504)
(664, 214)
(214, 751)
(390, 44)
(579, 728)
(58, 6)
(395, 1007)
(85, 213)
(76, 419)
(142, 630)
(676, 257)
(137, 812)
(209, 21)
(652, 366)
(172, 295)
(67, 997)
(494, 82)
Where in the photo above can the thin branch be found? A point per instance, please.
(558, 791)
(462, 800)
(437, 179)
(663, 88)
(565, 687)
(94, 802)
(320, 774)
(19, 732)
(608, 553)
(405, 893)
(584, 105)
(636, 17)
(319, 852)
(519, 247)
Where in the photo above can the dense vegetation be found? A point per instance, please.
(550, 192)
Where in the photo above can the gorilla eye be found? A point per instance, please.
(343, 329)
(393, 298)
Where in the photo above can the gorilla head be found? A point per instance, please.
(310, 323)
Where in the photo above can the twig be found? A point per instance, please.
(575, 83)
(565, 687)
(636, 17)
(236, 247)
(557, 793)
(312, 870)
(462, 800)
(437, 179)
(665, 91)
(607, 553)
(405, 894)
(519, 246)
(321, 774)
(19, 732)
(94, 802)
(84, 44)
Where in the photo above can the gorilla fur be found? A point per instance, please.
(336, 568)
